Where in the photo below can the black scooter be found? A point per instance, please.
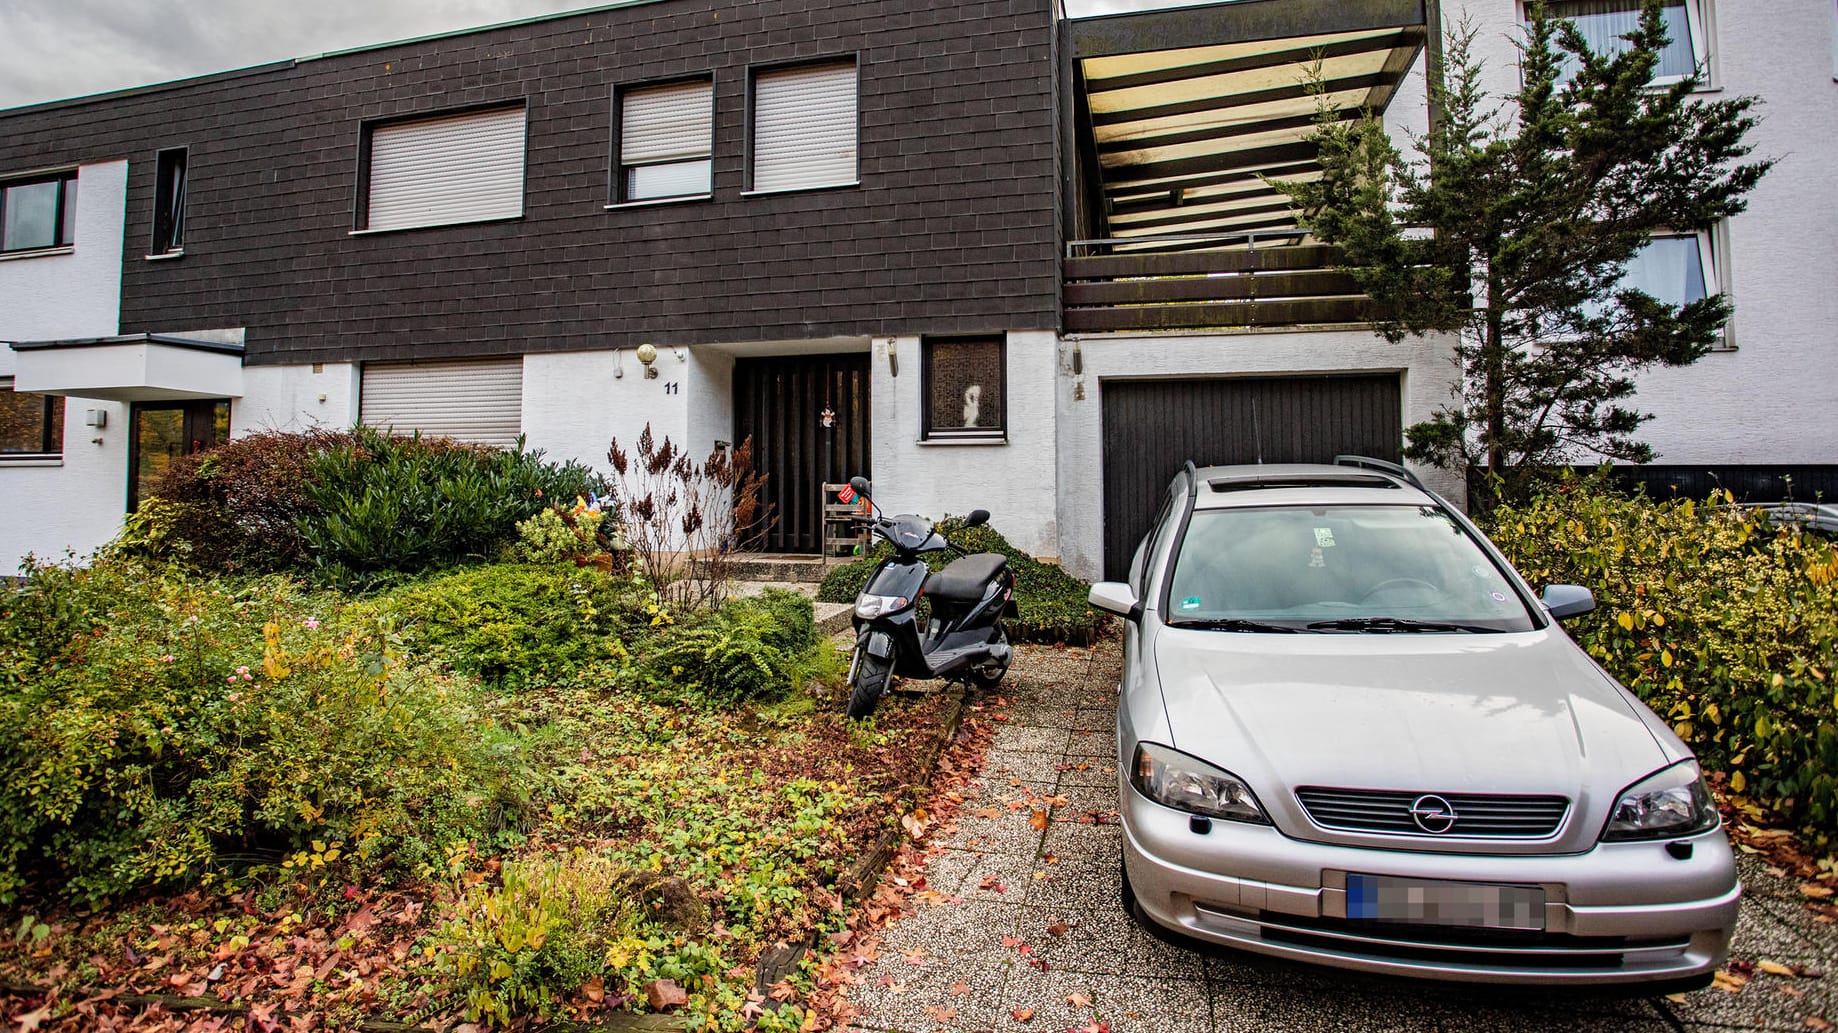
(963, 641)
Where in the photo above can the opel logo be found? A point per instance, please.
(1433, 814)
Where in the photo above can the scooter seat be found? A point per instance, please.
(966, 578)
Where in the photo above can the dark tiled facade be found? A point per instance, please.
(951, 230)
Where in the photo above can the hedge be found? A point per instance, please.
(1726, 625)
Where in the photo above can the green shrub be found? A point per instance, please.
(1724, 625)
(1052, 602)
(150, 725)
(751, 649)
(557, 535)
(513, 625)
(383, 506)
(529, 943)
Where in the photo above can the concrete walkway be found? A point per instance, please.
(1022, 929)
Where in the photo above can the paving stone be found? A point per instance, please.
(1096, 744)
(1129, 1004)
(1087, 876)
(1029, 766)
(1288, 1009)
(1087, 771)
(961, 943)
(1095, 719)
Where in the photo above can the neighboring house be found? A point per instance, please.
(983, 255)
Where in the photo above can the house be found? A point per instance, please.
(984, 254)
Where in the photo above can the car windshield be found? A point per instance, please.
(1338, 569)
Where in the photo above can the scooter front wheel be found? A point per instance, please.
(869, 685)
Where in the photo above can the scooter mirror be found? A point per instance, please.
(977, 518)
(860, 484)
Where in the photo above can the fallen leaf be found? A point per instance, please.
(941, 1014)
(31, 1020)
(1728, 982)
(1818, 1023)
(959, 988)
(1038, 821)
(1059, 928)
(1050, 859)
(1012, 941)
(1022, 1014)
(1775, 968)
(913, 955)
(665, 993)
(991, 882)
(1079, 1000)
(1815, 890)
(594, 990)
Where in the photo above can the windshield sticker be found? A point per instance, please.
(1316, 558)
(1192, 602)
(1324, 537)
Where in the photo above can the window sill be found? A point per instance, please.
(434, 226)
(656, 202)
(1003, 440)
(166, 256)
(31, 460)
(38, 252)
(802, 190)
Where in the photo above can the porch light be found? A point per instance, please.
(647, 356)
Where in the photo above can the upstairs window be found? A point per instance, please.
(964, 383)
(1603, 23)
(39, 212)
(665, 141)
(804, 127)
(444, 170)
(1676, 269)
(31, 426)
(169, 203)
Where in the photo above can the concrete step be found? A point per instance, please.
(792, 569)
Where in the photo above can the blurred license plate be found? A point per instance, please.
(1381, 898)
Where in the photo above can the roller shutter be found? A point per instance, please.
(438, 171)
(475, 401)
(804, 127)
(664, 140)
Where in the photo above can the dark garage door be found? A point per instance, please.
(1151, 427)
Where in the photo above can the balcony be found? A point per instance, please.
(1120, 286)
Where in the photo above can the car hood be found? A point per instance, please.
(1525, 713)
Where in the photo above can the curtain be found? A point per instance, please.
(1604, 22)
(1670, 269)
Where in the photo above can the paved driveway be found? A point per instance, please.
(1020, 928)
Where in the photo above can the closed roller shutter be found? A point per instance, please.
(479, 402)
(664, 140)
(460, 168)
(804, 128)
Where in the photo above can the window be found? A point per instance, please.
(1604, 22)
(804, 128)
(169, 202)
(38, 213)
(441, 171)
(478, 401)
(1677, 269)
(160, 432)
(665, 140)
(30, 425)
(965, 388)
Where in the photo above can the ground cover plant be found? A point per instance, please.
(1725, 624)
(511, 790)
(1052, 602)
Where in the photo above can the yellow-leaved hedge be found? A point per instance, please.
(1724, 623)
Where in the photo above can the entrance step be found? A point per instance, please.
(797, 569)
(832, 618)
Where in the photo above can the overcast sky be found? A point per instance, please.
(67, 48)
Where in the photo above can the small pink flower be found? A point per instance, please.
(231, 679)
(242, 670)
(234, 696)
(166, 659)
(311, 623)
(248, 677)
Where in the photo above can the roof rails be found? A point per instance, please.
(1368, 463)
(1193, 482)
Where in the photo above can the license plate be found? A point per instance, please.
(1381, 898)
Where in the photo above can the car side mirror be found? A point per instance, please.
(1116, 597)
(860, 484)
(977, 518)
(1565, 601)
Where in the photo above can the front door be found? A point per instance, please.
(808, 418)
(160, 432)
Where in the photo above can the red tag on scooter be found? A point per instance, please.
(846, 495)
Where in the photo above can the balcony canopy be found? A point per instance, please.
(1186, 109)
(130, 368)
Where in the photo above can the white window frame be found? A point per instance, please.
(1698, 22)
(623, 162)
(1711, 244)
(773, 184)
(433, 213)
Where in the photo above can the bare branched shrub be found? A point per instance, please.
(687, 522)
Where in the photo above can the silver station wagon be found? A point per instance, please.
(1349, 733)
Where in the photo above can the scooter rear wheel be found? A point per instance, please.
(990, 677)
(871, 677)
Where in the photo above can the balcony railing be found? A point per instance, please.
(1244, 282)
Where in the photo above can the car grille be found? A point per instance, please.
(1468, 946)
(1476, 814)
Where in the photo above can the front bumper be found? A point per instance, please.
(1621, 913)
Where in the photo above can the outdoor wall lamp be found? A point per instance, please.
(647, 356)
(893, 357)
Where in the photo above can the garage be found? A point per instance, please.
(476, 401)
(1152, 426)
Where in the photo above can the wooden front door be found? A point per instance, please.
(808, 418)
(160, 432)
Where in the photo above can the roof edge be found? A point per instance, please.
(170, 340)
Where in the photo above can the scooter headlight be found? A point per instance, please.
(868, 607)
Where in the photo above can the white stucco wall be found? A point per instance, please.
(575, 403)
(75, 503)
(1425, 365)
(1771, 400)
(296, 398)
(1015, 480)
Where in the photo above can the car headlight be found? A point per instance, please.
(868, 607)
(1173, 779)
(1673, 802)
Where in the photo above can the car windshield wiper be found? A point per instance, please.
(1233, 624)
(1395, 624)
